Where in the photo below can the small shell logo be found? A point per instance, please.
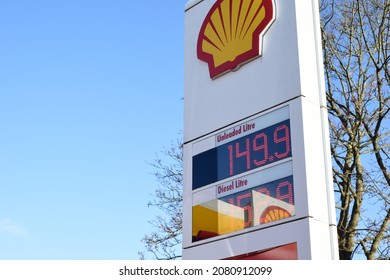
(274, 213)
(231, 33)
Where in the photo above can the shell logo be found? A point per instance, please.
(274, 213)
(231, 33)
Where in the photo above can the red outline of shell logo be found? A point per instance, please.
(231, 33)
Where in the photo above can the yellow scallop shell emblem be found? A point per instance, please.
(231, 32)
(274, 213)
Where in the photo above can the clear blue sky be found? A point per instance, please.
(90, 91)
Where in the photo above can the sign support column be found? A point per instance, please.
(257, 167)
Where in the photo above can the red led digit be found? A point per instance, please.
(231, 170)
(267, 194)
(263, 147)
(282, 188)
(258, 204)
(285, 138)
(247, 208)
(245, 153)
(233, 212)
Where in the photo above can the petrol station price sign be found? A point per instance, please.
(256, 146)
(250, 207)
(253, 149)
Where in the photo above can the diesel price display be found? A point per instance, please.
(251, 151)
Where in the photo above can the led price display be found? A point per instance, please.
(260, 205)
(251, 151)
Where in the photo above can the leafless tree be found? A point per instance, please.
(164, 243)
(356, 51)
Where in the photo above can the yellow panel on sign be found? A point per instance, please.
(215, 218)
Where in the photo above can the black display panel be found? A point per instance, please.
(251, 151)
